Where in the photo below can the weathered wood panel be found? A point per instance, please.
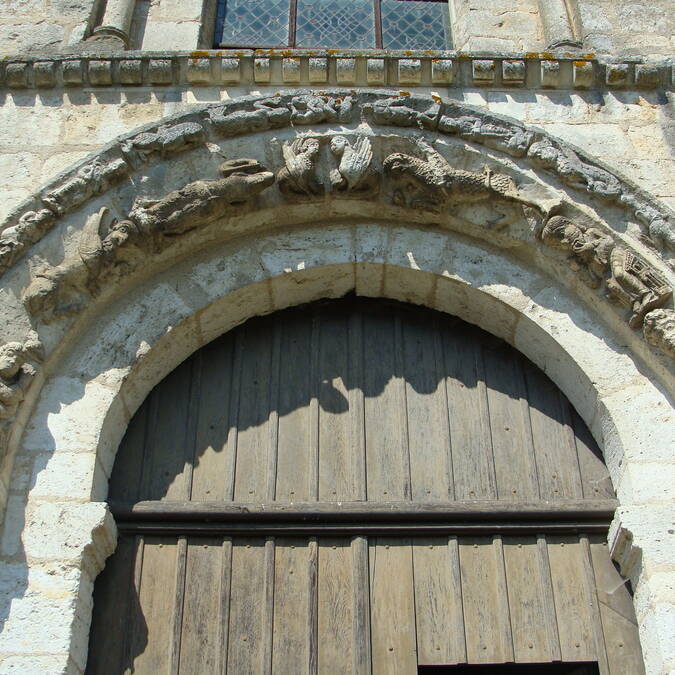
(302, 605)
(357, 400)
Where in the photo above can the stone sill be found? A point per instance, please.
(332, 67)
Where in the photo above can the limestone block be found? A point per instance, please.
(100, 72)
(409, 71)
(69, 416)
(160, 71)
(30, 37)
(15, 520)
(483, 70)
(442, 71)
(647, 482)
(230, 70)
(583, 73)
(345, 70)
(64, 476)
(58, 162)
(617, 74)
(550, 73)
(130, 71)
(199, 71)
(17, 75)
(513, 71)
(290, 68)
(647, 75)
(318, 70)
(86, 534)
(72, 72)
(489, 44)
(376, 71)
(176, 10)
(44, 74)
(50, 664)
(18, 170)
(171, 36)
(261, 70)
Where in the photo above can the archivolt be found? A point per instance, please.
(305, 161)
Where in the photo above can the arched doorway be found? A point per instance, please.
(359, 486)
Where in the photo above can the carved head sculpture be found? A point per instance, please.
(563, 233)
(338, 145)
(121, 234)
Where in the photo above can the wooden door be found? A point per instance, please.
(359, 486)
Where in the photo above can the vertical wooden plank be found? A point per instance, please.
(427, 414)
(469, 425)
(128, 466)
(179, 596)
(312, 625)
(401, 409)
(313, 422)
(201, 636)
(386, 466)
(555, 451)
(619, 625)
(486, 619)
(515, 469)
(212, 451)
(253, 421)
(361, 628)
(233, 430)
(224, 605)
(392, 607)
(592, 599)
(268, 615)
(137, 627)
(247, 607)
(438, 601)
(164, 474)
(152, 641)
(336, 614)
(293, 342)
(594, 474)
(357, 407)
(193, 406)
(575, 622)
(550, 618)
(527, 602)
(340, 405)
(273, 415)
(115, 605)
(290, 653)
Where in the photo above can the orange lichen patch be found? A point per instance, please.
(332, 52)
(200, 55)
(287, 52)
(581, 64)
(437, 99)
(404, 93)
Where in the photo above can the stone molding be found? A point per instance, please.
(99, 66)
(117, 161)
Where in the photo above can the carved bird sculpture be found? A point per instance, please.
(299, 175)
(355, 159)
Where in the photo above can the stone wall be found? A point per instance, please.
(616, 27)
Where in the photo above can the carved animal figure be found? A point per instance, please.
(312, 109)
(433, 183)
(109, 249)
(198, 203)
(354, 172)
(398, 111)
(299, 177)
(266, 114)
(629, 280)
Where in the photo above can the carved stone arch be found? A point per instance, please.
(286, 223)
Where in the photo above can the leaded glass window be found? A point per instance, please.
(357, 24)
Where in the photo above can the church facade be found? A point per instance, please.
(174, 170)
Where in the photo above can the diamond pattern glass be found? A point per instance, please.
(336, 23)
(415, 24)
(260, 23)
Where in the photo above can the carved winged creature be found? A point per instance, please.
(298, 177)
(354, 172)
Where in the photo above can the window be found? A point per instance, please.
(341, 24)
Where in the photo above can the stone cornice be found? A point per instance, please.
(371, 68)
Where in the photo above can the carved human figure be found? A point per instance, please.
(167, 140)
(298, 176)
(659, 330)
(16, 374)
(629, 280)
(354, 172)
